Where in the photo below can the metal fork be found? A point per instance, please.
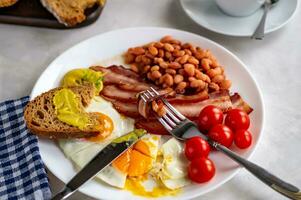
(182, 128)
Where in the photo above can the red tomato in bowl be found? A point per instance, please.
(201, 170)
(196, 147)
(209, 116)
(237, 119)
(242, 138)
(221, 134)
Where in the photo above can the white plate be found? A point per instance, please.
(114, 43)
(207, 14)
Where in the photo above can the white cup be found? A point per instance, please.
(239, 8)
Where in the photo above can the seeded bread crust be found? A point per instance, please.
(7, 3)
(69, 12)
(40, 117)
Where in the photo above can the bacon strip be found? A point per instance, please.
(191, 110)
(179, 98)
(239, 103)
(126, 72)
(121, 86)
(127, 80)
(152, 126)
(219, 99)
(121, 76)
(114, 92)
(127, 109)
(118, 70)
(134, 88)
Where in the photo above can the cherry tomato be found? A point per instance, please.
(201, 170)
(242, 138)
(196, 147)
(210, 116)
(222, 134)
(237, 119)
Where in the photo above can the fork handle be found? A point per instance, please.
(271, 180)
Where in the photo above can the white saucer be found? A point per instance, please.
(207, 14)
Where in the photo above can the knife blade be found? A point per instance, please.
(105, 157)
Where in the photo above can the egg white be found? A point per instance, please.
(122, 125)
(72, 146)
(175, 183)
(81, 151)
(112, 176)
(174, 165)
(82, 157)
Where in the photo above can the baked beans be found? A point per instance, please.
(181, 66)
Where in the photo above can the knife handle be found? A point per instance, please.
(63, 194)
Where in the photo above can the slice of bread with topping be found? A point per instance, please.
(6, 3)
(40, 115)
(69, 12)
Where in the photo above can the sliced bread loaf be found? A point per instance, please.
(41, 119)
(6, 3)
(69, 12)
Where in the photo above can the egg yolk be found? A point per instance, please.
(139, 164)
(105, 127)
(122, 163)
(142, 147)
(135, 161)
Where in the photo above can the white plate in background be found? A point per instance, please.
(111, 44)
(207, 14)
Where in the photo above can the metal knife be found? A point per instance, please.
(99, 162)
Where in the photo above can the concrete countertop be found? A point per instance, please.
(26, 51)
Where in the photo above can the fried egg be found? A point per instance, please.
(112, 176)
(81, 151)
(167, 175)
(121, 124)
(146, 169)
(149, 145)
(135, 162)
(173, 165)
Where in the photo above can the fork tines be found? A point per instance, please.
(148, 95)
(172, 117)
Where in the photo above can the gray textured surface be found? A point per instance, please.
(25, 52)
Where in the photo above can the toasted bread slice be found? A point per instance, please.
(6, 3)
(41, 119)
(69, 12)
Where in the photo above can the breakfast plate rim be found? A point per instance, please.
(261, 103)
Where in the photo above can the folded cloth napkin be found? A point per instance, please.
(22, 173)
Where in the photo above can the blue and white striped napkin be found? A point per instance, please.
(22, 173)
